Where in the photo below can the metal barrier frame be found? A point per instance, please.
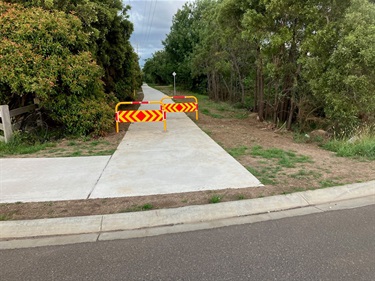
(141, 102)
(180, 97)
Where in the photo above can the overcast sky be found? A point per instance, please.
(152, 20)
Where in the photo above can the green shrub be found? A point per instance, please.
(44, 55)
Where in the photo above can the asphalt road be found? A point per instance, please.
(336, 245)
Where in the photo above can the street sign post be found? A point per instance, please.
(174, 83)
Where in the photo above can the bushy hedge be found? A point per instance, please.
(44, 54)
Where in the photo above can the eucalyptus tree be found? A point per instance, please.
(340, 63)
(299, 61)
(158, 69)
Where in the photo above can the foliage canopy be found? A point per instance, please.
(294, 62)
(74, 56)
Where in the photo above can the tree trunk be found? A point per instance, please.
(260, 86)
(290, 118)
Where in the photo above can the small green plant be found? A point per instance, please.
(303, 174)
(146, 207)
(328, 183)
(241, 197)
(4, 217)
(241, 115)
(266, 175)
(215, 199)
(95, 143)
(237, 151)
(75, 154)
(137, 208)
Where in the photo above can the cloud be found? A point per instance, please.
(152, 20)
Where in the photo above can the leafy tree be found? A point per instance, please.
(157, 70)
(108, 28)
(44, 55)
(181, 41)
(340, 65)
(296, 60)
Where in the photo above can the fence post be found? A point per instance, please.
(7, 125)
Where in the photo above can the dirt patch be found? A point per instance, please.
(282, 164)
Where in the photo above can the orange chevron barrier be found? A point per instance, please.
(139, 115)
(180, 107)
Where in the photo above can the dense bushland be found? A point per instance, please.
(306, 64)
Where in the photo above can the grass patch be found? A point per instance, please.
(266, 175)
(21, 144)
(18, 145)
(303, 174)
(95, 143)
(241, 115)
(268, 170)
(286, 159)
(4, 217)
(75, 154)
(360, 148)
(207, 112)
(328, 183)
(237, 151)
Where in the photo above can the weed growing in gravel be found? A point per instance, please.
(137, 208)
(4, 217)
(215, 199)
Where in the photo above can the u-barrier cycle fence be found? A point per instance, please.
(182, 106)
(155, 115)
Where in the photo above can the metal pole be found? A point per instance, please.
(174, 83)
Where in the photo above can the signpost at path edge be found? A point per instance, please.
(174, 83)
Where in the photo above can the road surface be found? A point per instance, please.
(336, 245)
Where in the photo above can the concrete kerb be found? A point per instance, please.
(12, 231)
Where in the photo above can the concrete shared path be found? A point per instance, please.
(148, 161)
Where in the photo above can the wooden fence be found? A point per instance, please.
(6, 122)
